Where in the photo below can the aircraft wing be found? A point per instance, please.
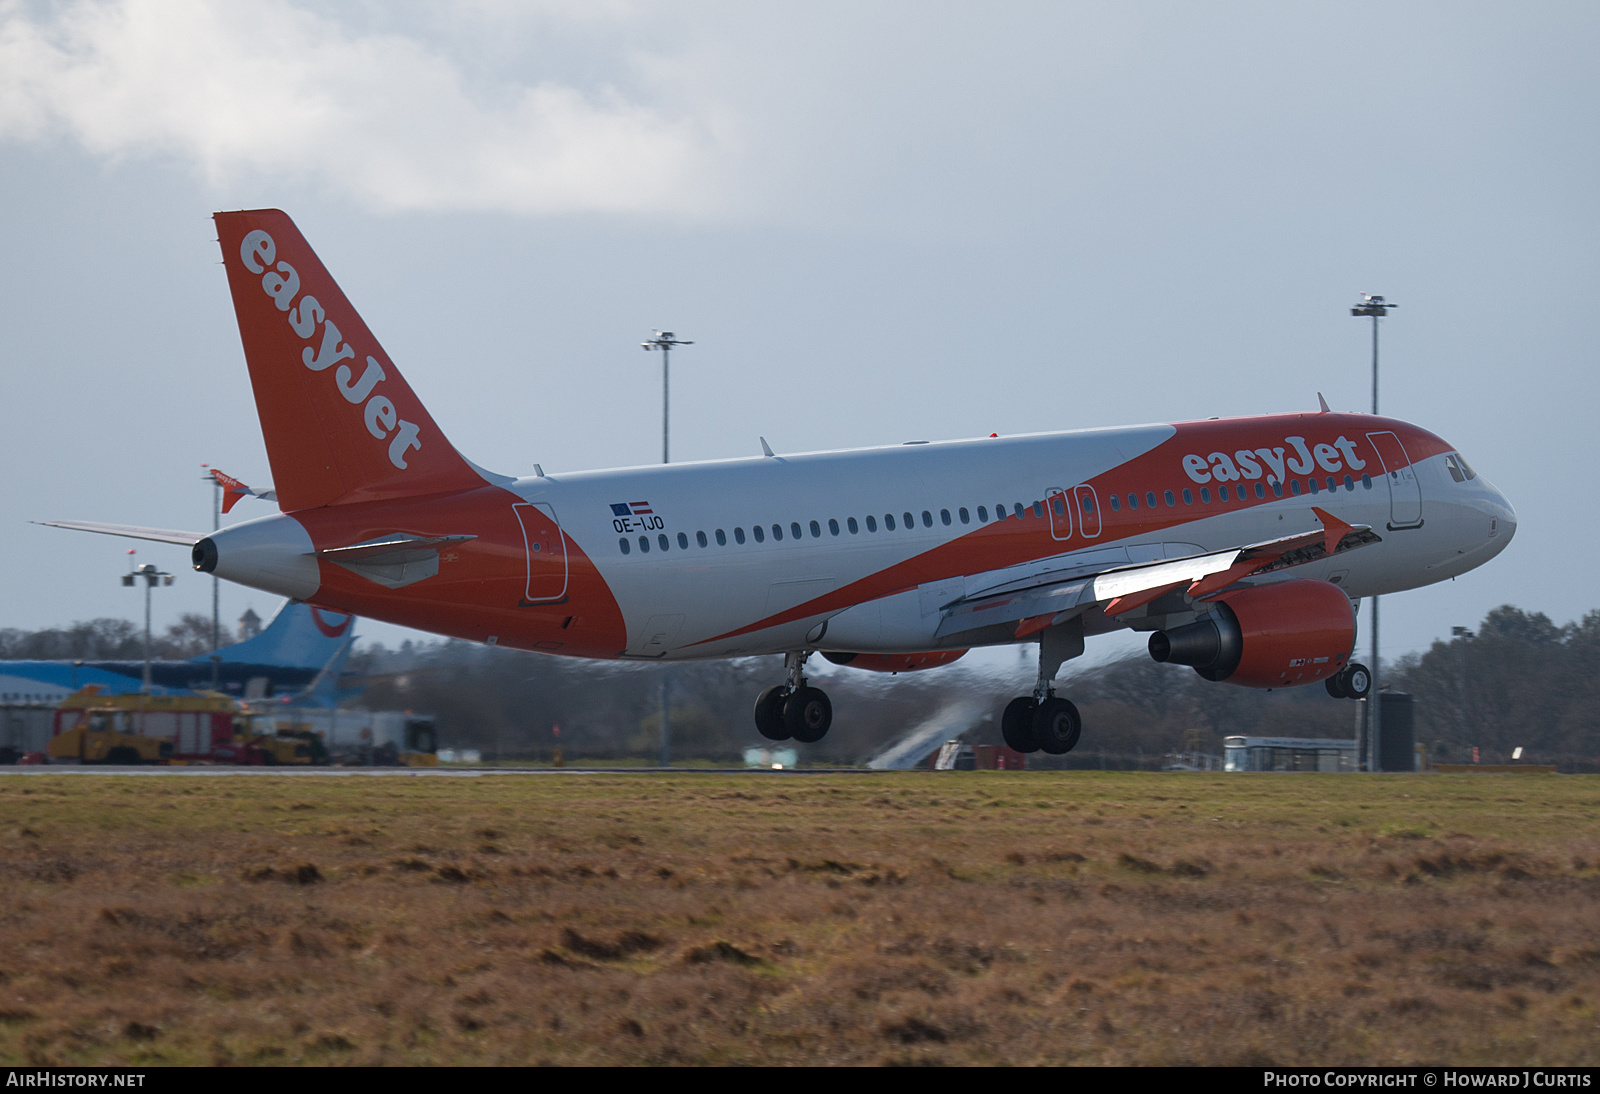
(159, 535)
(1031, 604)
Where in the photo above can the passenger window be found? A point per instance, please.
(1017, 510)
(759, 532)
(1171, 501)
(1133, 501)
(910, 521)
(1366, 482)
(944, 515)
(927, 519)
(700, 538)
(777, 533)
(683, 541)
(1059, 509)
(1261, 491)
(1222, 493)
(794, 529)
(1333, 484)
(872, 524)
(738, 536)
(966, 518)
(623, 543)
(662, 540)
(983, 514)
(1086, 503)
(722, 540)
(1188, 496)
(1116, 504)
(1205, 494)
(1349, 483)
(1149, 499)
(816, 531)
(644, 545)
(855, 529)
(1277, 488)
(1000, 512)
(888, 522)
(1038, 508)
(1294, 487)
(833, 527)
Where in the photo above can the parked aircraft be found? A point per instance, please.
(301, 645)
(1239, 543)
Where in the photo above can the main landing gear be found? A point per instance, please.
(1351, 682)
(794, 710)
(1043, 721)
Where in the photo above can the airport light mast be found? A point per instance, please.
(1375, 307)
(216, 582)
(664, 340)
(153, 576)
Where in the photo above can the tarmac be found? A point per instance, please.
(211, 772)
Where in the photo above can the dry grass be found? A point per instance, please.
(921, 917)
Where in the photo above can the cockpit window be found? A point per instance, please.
(1466, 469)
(1451, 466)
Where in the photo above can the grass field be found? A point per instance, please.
(951, 917)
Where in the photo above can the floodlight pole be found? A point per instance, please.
(1375, 307)
(152, 576)
(664, 340)
(1466, 636)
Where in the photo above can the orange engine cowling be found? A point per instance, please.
(1269, 636)
(895, 662)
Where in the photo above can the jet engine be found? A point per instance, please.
(1269, 636)
(895, 662)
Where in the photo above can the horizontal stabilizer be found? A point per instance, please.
(131, 531)
(388, 545)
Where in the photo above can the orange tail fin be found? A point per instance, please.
(341, 424)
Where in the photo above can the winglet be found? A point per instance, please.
(766, 449)
(233, 490)
(1336, 529)
(1323, 403)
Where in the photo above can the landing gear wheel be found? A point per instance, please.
(1016, 724)
(807, 714)
(769, 713)
(1056, 726)
(1357, 681)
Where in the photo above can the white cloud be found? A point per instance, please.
(261, 89)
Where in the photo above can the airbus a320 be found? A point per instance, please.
(1240, 544)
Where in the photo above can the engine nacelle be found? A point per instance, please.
(272, 553)
(895, 662)
(1269, 636)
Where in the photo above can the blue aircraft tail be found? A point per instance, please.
(299, 636)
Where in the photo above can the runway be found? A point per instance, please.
(198, 771)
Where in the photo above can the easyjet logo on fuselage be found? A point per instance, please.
(1298, 459)
(281, 282)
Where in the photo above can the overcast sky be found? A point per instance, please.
(877, 221)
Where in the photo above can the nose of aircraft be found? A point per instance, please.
(1502, 519)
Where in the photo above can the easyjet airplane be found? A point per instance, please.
(1240, 544)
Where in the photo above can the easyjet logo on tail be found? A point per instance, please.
(281, 282)
(1298, 459)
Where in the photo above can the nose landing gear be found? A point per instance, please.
(794, 710)
(1351, 682)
